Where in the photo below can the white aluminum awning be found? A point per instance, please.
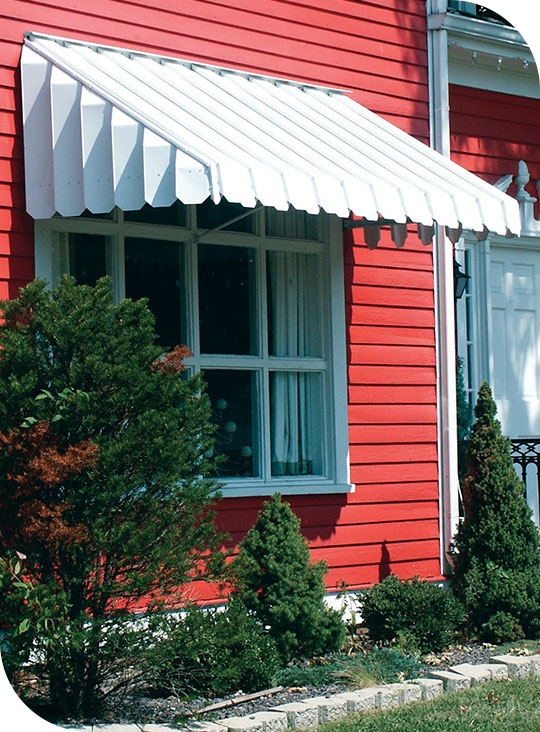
(107, 127)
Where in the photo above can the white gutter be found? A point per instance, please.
(443, 261)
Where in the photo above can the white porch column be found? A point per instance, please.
(443, 260)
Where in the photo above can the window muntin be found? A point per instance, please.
(310, 353)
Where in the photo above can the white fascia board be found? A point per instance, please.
(486, 55)
(486, 37)
(511, 78)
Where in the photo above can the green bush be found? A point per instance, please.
(496, 552)
(210, 652)
(416, 614)
(277, 583)
(103, 485)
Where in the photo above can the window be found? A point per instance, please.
(257, 295)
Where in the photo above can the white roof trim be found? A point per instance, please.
(107, 127)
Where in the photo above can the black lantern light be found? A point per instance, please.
(460, 281)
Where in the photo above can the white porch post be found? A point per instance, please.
(443, 261)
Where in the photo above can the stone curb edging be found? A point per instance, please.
(308, 714)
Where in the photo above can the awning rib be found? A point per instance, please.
(107, 127)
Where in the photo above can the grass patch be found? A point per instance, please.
(492, 707)
(532, 646)
(381, 665)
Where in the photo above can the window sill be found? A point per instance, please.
(286, 488)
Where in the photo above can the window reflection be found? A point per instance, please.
(232, 397)
(153, 271)
(226, 292)
(87, 257)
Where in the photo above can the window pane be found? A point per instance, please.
(291, 224)
(210, 215)
(87, 257)
(295, 420)
(233, 398)
(226, 295)
(174, 215)
(294, 322)
(153, 271)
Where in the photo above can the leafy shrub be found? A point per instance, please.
(103, 481)
(415, 613)
(307, 673)
(277, 583)
(496, 553)
(211, 652)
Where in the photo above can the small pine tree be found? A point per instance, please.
(496, 553)
(277, 583)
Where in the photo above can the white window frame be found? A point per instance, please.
(51, 260)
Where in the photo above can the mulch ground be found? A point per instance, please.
(139, 708)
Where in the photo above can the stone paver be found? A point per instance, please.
(299, 714)
(389, 696)
(430, 688)
(199, 727)
(408, 692)
(519, 667)
(451, 680)
(477, 674)
(363, 700)
(242, 724)
(330, 709)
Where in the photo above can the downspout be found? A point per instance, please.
(443, 264)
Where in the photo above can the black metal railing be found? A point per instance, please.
(525, 453)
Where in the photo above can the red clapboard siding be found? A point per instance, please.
(393, 472)
(353, 535)
(390, 277)
(383, 394)
(377, 50)
(390, 375)
(365, 575)
(394, 433)
(393, 316)
(17, 244)
(386, 334)
(491, 131)
(398, 355)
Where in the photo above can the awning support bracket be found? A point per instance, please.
(198, 237)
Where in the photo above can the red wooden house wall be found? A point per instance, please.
(376, 49)
(491, 131)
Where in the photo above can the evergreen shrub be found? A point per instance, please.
(105, 499)
(211, 652)
(279, 585)
(496, 551)
(415, 614)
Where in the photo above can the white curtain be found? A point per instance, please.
(293, 293)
